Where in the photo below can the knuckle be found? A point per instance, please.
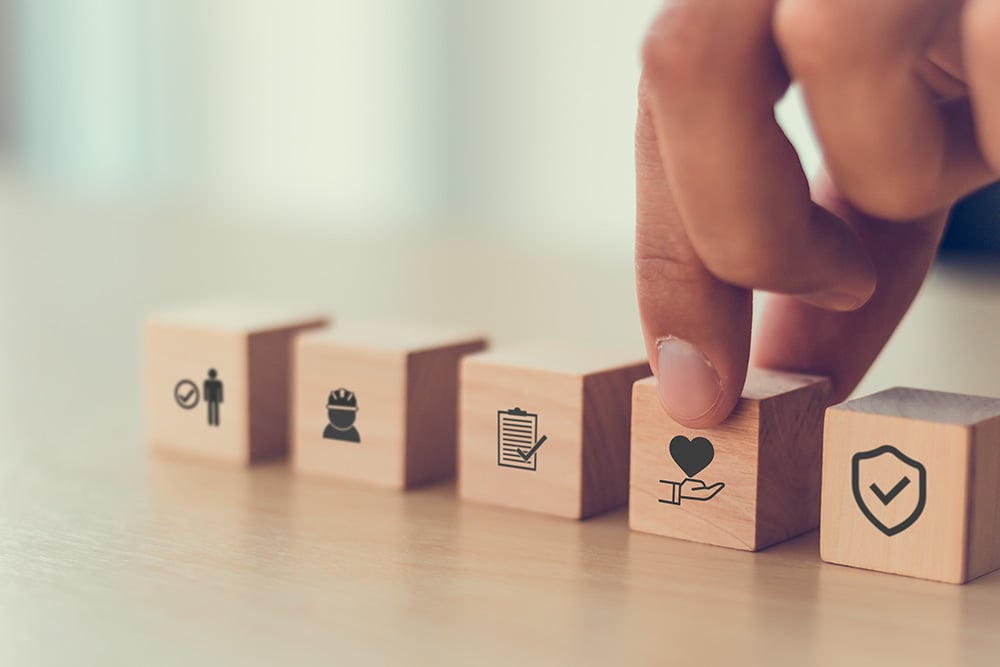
(810, 34)
(739, 260)
(991, 153)
(894, 200)
(677, 43)
(655, 268)
(981, 27)
(647, 151)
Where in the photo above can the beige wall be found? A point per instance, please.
(332, 115)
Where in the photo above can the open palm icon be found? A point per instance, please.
(690, 489)
(695, 489)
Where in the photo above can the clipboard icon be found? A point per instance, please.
(517, 439)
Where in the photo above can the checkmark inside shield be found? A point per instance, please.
(886, 498)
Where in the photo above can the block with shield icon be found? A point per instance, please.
(377, 403)
(749, 483)
(217, 379)
(910, 481)
(545, 428)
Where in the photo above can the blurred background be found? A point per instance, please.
(446, 160)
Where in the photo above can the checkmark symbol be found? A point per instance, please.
(886, 498)
(531, 452)
(187, 397)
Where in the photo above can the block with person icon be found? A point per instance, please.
(217, 379)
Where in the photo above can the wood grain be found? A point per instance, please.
(956, 439)
(582, 409)
(767, 454)
(432, 390)
(248, 346)
(405, 379)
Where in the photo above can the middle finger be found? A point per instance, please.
(714, 76)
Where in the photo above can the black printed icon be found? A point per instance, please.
(517, 439)
(186, 394)
(342, 411)
(212, 390)
(691, 456)
(889, 487)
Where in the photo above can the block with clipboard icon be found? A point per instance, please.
(517, 439)
(544, 427)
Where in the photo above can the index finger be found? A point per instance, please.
(697, 328)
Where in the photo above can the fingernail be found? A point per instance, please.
(688, 383)
(838, 301)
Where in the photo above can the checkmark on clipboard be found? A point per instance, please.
(526, 455)
(518, 440)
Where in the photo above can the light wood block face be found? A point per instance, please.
(217, 380)
(910, 484)
(378, 404)
(751, 482)
(547, 430)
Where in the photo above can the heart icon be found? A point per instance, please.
(692, 456)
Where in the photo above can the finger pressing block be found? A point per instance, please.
(751, 482)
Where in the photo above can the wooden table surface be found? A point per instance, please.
(108, 556)
(135, 561)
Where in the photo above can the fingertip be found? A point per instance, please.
(841, 302)
(690, 387)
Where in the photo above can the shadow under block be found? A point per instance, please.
(241, 415)
(911, 484)
(547, 430)
(749, 483)
(379, 404)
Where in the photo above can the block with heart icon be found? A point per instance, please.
(545, 428)
(751, 482)
(217, 379)
(377, 402)
(910, 481)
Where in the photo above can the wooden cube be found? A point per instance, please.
(217, 380)
(751, 482)
(911, 484)
(378, 403)
(546, 429)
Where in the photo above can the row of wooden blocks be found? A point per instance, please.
(909, 479)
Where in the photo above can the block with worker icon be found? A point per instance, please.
(377, 403)
(749, 483)
(910, 481)
(545, 428)
(217, 379)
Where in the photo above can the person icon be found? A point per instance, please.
(341, 411)
(212, 393)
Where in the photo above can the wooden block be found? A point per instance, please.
(911, 484)
(378, 403)
(217, 380)
(546, 429)
(751, 482)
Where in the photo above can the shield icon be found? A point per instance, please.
(889, 487)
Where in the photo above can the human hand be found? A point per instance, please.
(905, 99)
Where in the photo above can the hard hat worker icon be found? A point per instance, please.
(342, 410)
